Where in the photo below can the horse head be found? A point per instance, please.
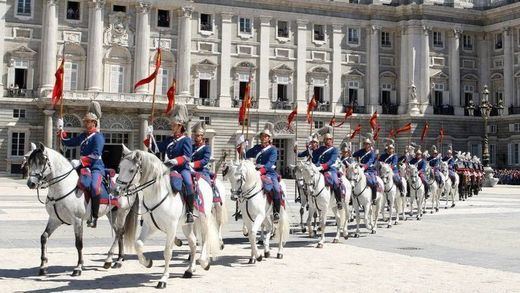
(130, 169)
(413, 173)
(242, 176)
(38, 165)
(385, 172)
(354, 173)
(310, 175)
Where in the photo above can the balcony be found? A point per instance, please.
(477, 112)
(390, 109)
(355, 109)
(323, 107)
(514, 110)
(236, 103)
(281, 105)
(443, 110)
(209, 102)
(18, 93)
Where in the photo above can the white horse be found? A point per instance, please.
(433, 189)
(164, 210)
(246, 186)
(390, 192)
(66, 204)
(362, 197)
(416, 191)
(450, 188)
(400, 201)
(219, 210)
(302, 191)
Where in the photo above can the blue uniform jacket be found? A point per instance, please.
(326, 157)
(309, 153)
(367, 159)
(421, 164)
(266, 157)
(390, 159)
(200, 158)
(91, 149)
(177, 148)
(450, 160)
(434, 161)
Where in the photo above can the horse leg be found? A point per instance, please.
(323, 216)
(52, 224)
(309, 219)
(339, 222)
(302, 225)
(192, 243)
(390, 211)
(170, 238)
(78, 233)
(252, 239)
(146, 231)
(345, 219)
(358, 219)
(108, 260)
(220, 224)
(268, 228)
(204, 252)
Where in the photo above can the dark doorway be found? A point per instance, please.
(20, 78)
(112, 156)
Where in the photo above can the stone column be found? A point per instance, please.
(2, 48)
(404, 80)
(425, 66)
(49, 44)
(454, 60)
(142, 45)
(264, 102)
(48, 133)
(337, 36)
(184, 52)
(301, 64)
(415, 60)
(373, 69)
(95, 45)
(143, 127)
(483, 46)
(508, 69)
(225, 62)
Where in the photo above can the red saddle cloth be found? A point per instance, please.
(198, 199)
(108, 182)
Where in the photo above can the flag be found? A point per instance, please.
(291, 117)
(376, 134)
(57, 91)
(348, 113)
(356, 131)
(246, 102)
(441, 135)
(373, 121)
(332, 121)
(425, 131)
(171, 96)
(310, 107)
(392, 133)
(154, 73)
(407, 127)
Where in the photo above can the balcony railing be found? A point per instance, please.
(443, 110)
(390, 109)
(210, 102)
(478, 113)
(236, 103)
(19, 93)
(323, 107)
(281, 105)
(514, 110)
(355, 109)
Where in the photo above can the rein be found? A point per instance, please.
(243, 196)
(50, 182)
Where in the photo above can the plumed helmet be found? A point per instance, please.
(313, 137)
(268, 130)
(434, 149)
(418, 151)
(369, 138)
(180, 115)
(426, 154)
(93, 112)
(346, 145)
(450, 149)
(199, 128)
(390, 143)
(325, 132)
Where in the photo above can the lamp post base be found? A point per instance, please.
(489, 180)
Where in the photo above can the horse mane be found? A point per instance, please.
(38, 156)
(249, 168)
(152, 166)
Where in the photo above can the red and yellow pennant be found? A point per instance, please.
(152, 76)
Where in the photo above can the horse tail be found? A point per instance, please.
(212, 239)
(130, 227)
(283, 227)
(223, 217)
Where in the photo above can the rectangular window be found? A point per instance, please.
(318, 32)
(119, 8)
(353, 1)
(17, 144)
(385, 39)
(498, 41)
(24, 7)
(163, 18)
(318, 94)
(475, 149)
(206, 119)
(467, 42)
(206, 24)
(117, 73)
(468, 96)
(318, 124)
(73, 10)
(18, 113)
(516, 151)
(353, 36)
(20, 78)
(492, 154)
(282, 93)
(116, 138)
(245, 25)
(71, 153)
(71, 76)
(165, 81)
(438, 98)
(204, 89)
(437, 40)
(283, 29)
(352, 96)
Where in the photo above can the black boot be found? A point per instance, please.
(94, 213)
(426, 189)
(276, 210)
(189, 207)
(374, 194)
(337, 195)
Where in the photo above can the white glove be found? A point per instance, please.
(295, 144)
(246, 144)
(172, 162)
(75, 163)
(240, 140)
(320, 168)
(258, 166)
(149, 130)
(192, 164)
(59, 124)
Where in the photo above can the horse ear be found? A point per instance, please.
(41, 146)
(126, 150)
(138, 157)
(33, 146)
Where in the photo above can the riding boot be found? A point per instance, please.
(189, 207)
(337, 195)
(276, 209)
(374, 193)
(426, 189)
(94, 212)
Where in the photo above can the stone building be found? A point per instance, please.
(344, 52)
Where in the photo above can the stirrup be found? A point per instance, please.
(276, 218)
(92, 223)
(339, 205)
(189, 217)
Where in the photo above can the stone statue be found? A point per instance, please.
(413, 92)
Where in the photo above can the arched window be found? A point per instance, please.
(118, 70)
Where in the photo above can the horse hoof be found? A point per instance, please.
(246, 234)
(150, 264)
(356, 235)
(161, 285)
(187, 275)
(222, 246)
(260, 242)
(117, 265)
(107, 265)
(445, 208)
(252, 261)
(304, 230)
(373, 232)
(436, 210)
(259, 258)
(207, 267)
(320, 245)
(267, 254)
(42, 272)
(178, 243)
(279, 256)
(431, 212)
(335, 240)
(76, 273)
(389, 226)
(453, 205)
(418, 219)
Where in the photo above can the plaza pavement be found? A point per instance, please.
(473, 247)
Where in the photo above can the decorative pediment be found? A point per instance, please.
(116, 122)
(470, 76)
(22, 52)
(281, 128)
(118, 32)
(355, 72)
(388, 74)
(319, 70)
(440, 75)
(245, 65)
(207, 68)
(282, 69)
(161, 123)
(496, 76)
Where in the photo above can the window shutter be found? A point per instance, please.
(511, 127)
(236, 89)
(10, 77)
(393, 97)
(274, 92)
(509, 154)
(326, 96)
(213, 89)
(361, 97)
(30, 78)
(446, 98)
(290, 93)
(196, 88)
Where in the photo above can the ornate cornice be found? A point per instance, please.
(143, 7)
(97, 4)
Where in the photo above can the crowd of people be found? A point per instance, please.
(508, 176)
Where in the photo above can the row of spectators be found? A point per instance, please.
(508, 176)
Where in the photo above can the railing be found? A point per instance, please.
(390, 109)
(210, 102)
(323, 107)
(281, 105)
(477, 112)
(355, 109)
(514, 110)
(19, 93)
(443, 110)
(236, 103)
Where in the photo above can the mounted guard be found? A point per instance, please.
(367, 158)
(390, 157)
(421, 167)
(450, 160)
(434, 160)
(310, 149)
(346, 153)
(92, 168)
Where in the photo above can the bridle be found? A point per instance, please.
(43, 182)
(247, 195)
(315, 182)
(388, 178)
